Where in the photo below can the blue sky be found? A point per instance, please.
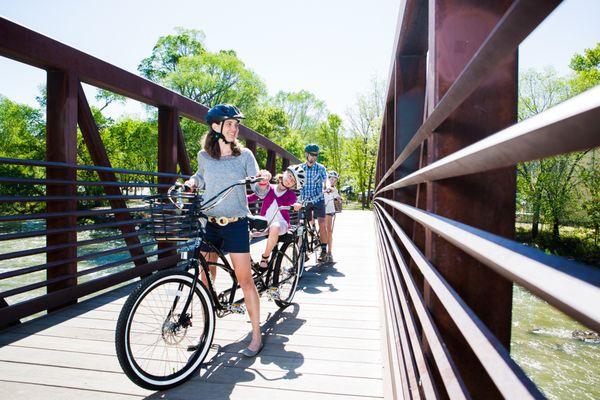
(331, 48)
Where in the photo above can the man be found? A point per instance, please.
(312, 192)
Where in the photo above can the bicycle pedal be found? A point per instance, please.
(273, 293)
(237, 308)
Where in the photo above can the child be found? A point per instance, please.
(331, 197)
(275, 196)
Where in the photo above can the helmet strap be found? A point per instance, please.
(219, 135)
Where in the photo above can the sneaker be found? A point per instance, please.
(322, 256)
(329, 257)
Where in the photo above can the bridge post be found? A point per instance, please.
(271, 161)
(409, 97)
(251, 145)
(182, 155)
(167, 154)
(484, 200)
(285, 162)
(61, 146)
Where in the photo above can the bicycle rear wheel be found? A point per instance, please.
(155, 349)
(287, 273)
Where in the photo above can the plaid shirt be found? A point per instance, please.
(313, 188)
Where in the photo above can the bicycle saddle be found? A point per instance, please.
(257, 222)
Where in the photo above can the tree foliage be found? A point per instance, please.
(364, 120)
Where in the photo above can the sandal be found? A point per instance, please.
(264, 262)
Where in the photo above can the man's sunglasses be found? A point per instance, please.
(314, 154)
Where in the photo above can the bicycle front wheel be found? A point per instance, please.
(287, 273)
(157, 347)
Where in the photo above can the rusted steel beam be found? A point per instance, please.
(516, 24)
(182, 156)
(408, 377)
(28, 217)
(251, 145)
(271, 162)
(61, 182)
(38, 163)
(409, 101)
(487, 200)
(410, 37)
(99, 156)
(30, 47)
(60, 298)
(167, 153)
(38, 250)
(98, 268)
(507, 376)
(390, 139)
(61, 146)
(569, 126)
(78, 228)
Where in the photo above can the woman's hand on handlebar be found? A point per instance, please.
(297, 206)
(189, 185)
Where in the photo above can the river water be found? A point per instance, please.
(542, 344)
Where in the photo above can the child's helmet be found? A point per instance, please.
(299, 175)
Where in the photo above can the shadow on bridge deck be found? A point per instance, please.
(327, 345)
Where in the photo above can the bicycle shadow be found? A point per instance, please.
(228, 368)
(315, 278)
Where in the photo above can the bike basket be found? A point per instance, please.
(171, 222)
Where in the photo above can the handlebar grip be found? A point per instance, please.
(254, 179)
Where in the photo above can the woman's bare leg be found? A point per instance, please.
(243, 273)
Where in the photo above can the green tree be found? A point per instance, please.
(108, 97)
(586, 67)
(168, 50)
(364, 119)
(590, 177)
(538, 91)
(22, 135)
(214, 78)
(330, 135)
(182, 63)
(304, 110)
(558, 178)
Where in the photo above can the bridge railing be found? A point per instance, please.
(445, 199)
(24, 290)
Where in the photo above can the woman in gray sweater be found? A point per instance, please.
(221, 163)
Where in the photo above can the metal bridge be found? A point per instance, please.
(419, 302)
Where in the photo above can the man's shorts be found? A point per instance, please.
(231, 238)
(316, 210)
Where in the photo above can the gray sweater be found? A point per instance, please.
(215, 175)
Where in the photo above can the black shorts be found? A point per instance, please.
(231, 238)
(316, 210)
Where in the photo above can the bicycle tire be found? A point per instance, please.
(286, 273)
(130, 363)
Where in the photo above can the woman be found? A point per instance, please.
(221, 163)
(331, 196)
(281, 194)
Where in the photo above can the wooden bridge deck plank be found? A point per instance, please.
(328, 346)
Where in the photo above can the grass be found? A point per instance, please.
(576, 243)
(353, 205)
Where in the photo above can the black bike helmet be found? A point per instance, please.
(221, 112)
(312, 148)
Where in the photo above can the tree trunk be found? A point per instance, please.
(535, 222)
(555, 231)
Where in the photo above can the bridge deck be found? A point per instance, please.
(326, 346)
